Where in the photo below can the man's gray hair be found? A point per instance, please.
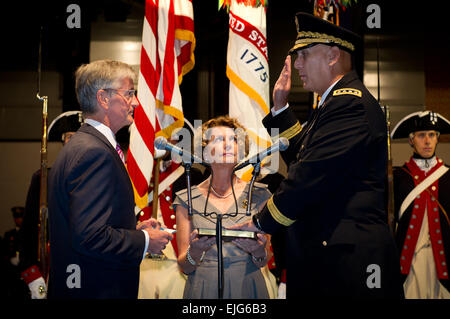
(97, 75)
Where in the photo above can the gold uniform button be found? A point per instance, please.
(324, 243)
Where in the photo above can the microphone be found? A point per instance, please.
(161, 143)
(281, 145)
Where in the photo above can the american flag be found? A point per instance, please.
(167, 54)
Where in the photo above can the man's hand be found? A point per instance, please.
(158, 238)
(149, 223)
(282, 87)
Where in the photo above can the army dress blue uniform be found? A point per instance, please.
(332, 201)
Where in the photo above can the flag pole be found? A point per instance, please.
(156, 189)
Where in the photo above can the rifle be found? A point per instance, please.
(43, 209)
(390, 174)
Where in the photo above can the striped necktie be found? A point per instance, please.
(119, 151)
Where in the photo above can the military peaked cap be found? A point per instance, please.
(312, 30)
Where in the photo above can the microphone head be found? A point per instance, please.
(284, 143)
(160, 143)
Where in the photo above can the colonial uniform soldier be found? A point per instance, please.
(332, 201)
(59, 130)
(160, 277)
(421, 188)
(14, 286)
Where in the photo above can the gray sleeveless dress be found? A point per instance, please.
(242, 279)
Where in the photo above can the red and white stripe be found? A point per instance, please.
(168, 44)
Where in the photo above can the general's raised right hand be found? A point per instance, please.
(282, 87)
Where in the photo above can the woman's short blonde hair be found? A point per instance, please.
(226, 121)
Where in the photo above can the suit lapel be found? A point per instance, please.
(88, 129)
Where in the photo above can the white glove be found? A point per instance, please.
(14, 260)
(38, 289)
(282, 291)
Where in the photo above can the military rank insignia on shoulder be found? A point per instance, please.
(347, 91)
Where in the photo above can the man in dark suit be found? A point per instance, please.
(333, 198)
(95, 248)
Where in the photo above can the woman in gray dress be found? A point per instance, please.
(222, 139)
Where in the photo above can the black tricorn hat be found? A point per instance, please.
(69, 121)
(421, 121)
(312, 30)
(18, 211)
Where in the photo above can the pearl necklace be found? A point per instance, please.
(220, 196)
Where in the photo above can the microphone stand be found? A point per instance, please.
(219, 244)
(187, 168)
(219, 218)
(220, 276)
(255, 173)
(187, 164)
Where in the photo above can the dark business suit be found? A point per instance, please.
(332, 200)
(92, 222)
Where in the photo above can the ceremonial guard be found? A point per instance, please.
(421, 188)
(60, 130)
(160, 277)
(15, 287)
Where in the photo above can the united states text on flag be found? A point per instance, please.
(248, 72)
